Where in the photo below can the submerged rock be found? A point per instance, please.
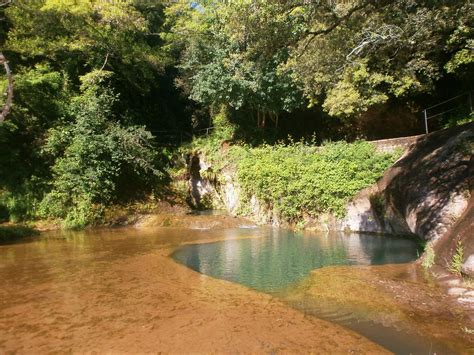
(456, 291)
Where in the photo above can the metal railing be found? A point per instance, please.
(460, 104)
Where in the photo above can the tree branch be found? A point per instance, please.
(105, 62)
(337, 22)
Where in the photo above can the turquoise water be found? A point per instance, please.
(276, 261)
(279, 258)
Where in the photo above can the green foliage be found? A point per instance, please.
(428, 257)
(93, 155)
(299, 179)
(220, 63)
(458, 121)
(73, 146)
(346, 56)
(210, 144)
(82, 32)
(457, 260)
(20, 205)
(354, 55)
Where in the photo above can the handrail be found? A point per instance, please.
(451, 99)
(425, 111)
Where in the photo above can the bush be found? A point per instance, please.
(300, 179)
(457, 260)
(94, 155)
(429, 256)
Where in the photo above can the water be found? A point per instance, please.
(281, 258)
(279, 262)
(82, 284)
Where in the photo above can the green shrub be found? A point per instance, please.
(458, 121)
(94, 156)
(429, 256)
(210, 145)
(20, 204)
(298, 179)
(457, 260)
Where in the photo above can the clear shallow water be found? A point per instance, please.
(75, 276)
(280, 258)
(278, 262)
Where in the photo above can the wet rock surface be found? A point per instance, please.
(404, 297)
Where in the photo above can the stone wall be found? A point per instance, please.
(389, 145)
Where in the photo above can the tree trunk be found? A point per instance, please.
(9, 101)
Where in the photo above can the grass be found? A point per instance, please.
(457, 260)
(429, 256)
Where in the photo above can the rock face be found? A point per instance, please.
(468, 266)
(424, 193)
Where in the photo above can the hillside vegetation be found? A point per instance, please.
(106, 92)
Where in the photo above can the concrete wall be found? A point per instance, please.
(389, 145)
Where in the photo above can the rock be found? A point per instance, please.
(469, 302)
(468, 266)
(456, 291)
(451, 282)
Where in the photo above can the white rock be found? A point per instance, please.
(468, 266)
(456, 291)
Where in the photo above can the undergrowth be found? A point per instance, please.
(293, 179)
(299, 179)
(457, 260)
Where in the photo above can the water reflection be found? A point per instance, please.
(282, 257)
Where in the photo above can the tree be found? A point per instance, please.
(9, 89)
(222, 62)
(50, 45)
(357, 54)
(7, 103)
(346, 56)
(94, 156)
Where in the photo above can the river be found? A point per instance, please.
(124, 290)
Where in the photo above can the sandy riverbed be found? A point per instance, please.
(84, 300)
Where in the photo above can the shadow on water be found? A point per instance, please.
(384, 330)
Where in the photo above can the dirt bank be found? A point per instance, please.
(87, 299)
